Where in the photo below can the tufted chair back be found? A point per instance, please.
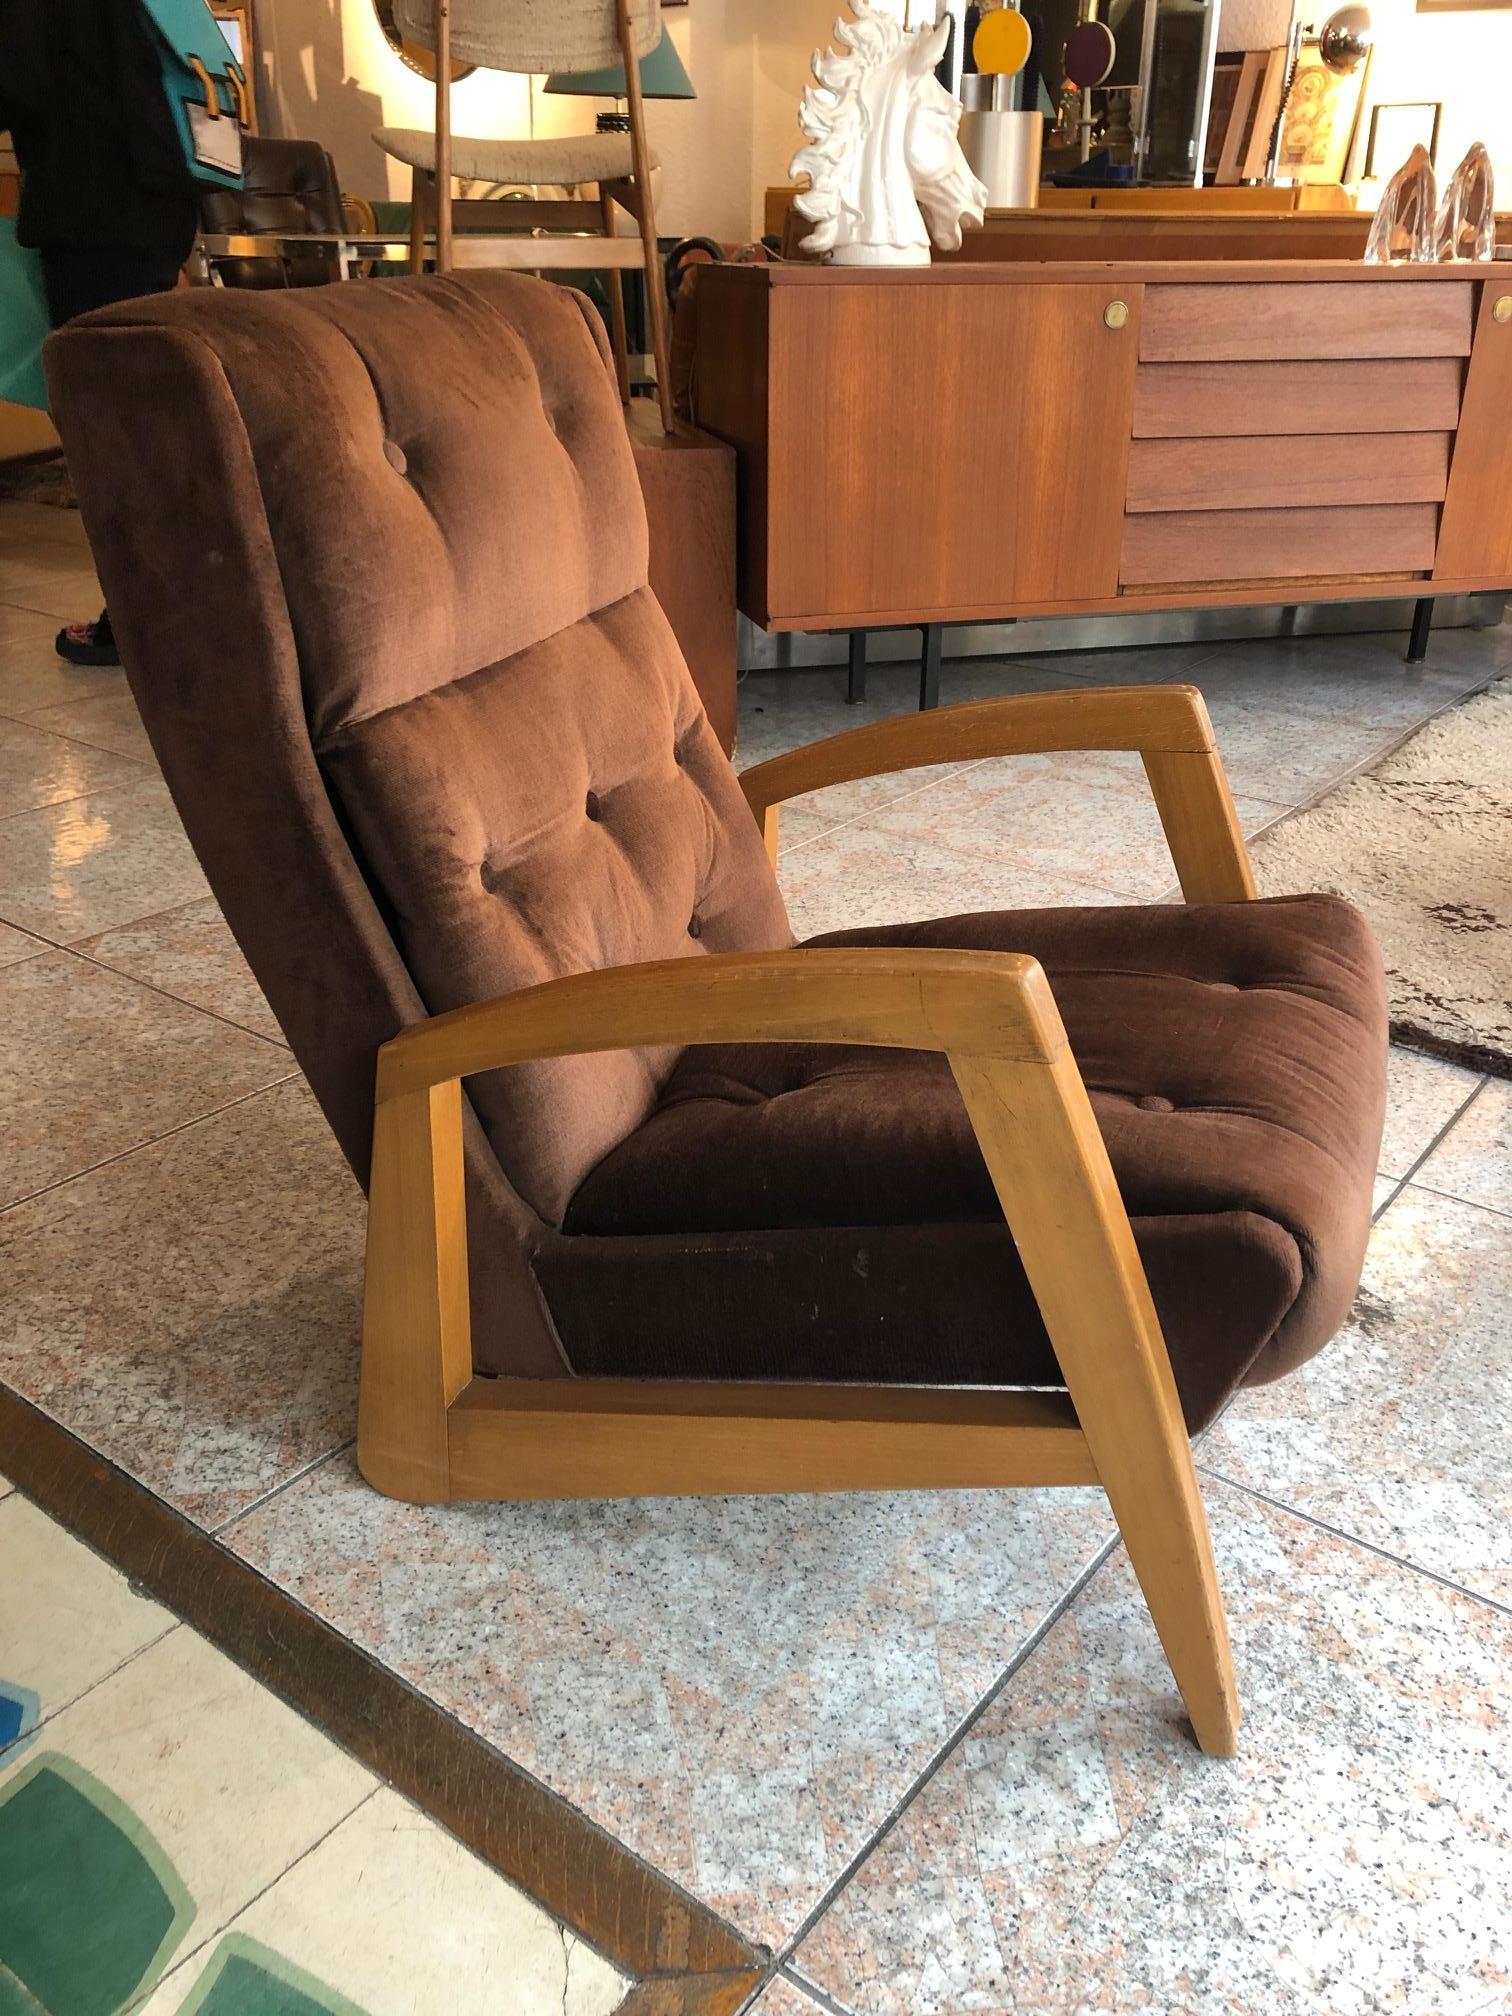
(377, 558)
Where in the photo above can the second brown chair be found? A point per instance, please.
(661, 1201)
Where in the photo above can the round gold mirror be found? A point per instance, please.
(419, 59)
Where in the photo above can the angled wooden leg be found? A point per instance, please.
(616, 305)
(416, 1330)
(1073, 1236)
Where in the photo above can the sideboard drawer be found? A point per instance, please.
(1325, 318)
(1188, 548)
(1287, 472)
(1377, 395)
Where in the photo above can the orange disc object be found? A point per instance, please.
(1002, 42)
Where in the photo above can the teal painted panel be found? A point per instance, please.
(246, 1978)
(90, 1907)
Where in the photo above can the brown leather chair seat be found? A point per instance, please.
(1224, 1049)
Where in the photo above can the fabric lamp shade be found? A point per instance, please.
(661, 75)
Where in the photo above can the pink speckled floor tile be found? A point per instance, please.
(1078, 1854)
(739, 1688)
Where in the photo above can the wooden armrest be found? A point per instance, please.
(971, 1004)
(427, 1431)
(992, 1013)
(1168, 726)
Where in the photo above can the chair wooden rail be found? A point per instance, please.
(430, 1431)
(1167, 725)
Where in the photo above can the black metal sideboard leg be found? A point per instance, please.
(929, 667)
(855, 676)
(1422, 617)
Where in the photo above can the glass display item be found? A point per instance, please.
(1466, 226)
(1403, 230)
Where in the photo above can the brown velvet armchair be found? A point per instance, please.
(988, 1200)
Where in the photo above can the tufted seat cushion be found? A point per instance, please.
(1235, 1058)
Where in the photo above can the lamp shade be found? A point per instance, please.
(661, 75)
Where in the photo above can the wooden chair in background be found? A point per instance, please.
(572, 37)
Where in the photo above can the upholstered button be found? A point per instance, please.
(395, 457)
(695, 929)
(1153, 1103)
(594, 807)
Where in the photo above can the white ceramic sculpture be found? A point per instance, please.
(883, 154)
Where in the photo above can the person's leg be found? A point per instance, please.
(79, 279)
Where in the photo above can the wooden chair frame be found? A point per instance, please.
(430, 1431)
(605, 251)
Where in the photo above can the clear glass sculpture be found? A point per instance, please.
(1466, 227)
(1403, 227)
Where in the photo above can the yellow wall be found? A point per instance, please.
(327, 74)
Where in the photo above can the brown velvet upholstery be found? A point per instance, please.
(1235, 1062)
(575, 837)
(382, 598)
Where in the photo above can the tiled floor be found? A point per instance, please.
(166, 1824)
(922, 1746)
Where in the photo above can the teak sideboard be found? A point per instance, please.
(963, 443)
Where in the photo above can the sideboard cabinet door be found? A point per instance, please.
(1475, 532)
(940, 452)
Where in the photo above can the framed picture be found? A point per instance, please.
(1396, 129)
(1243, 131)
(1457, 6)
(235, 18)
(1319, 120)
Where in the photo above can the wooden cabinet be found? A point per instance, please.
(1475, 537)
(971, 442)
(913, 450)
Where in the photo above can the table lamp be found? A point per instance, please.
(661, 76)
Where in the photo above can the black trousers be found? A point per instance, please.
(81, 277)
